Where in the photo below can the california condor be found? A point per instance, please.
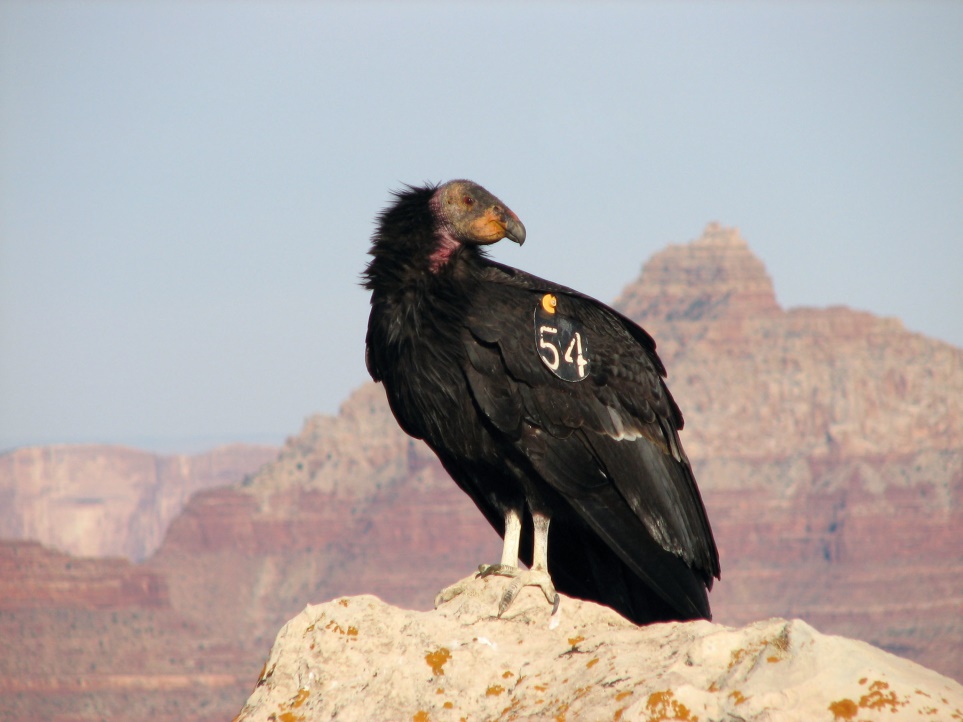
(540, 402)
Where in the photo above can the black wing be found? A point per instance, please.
(608, 444)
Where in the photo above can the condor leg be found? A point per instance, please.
(537, 576)
(513, 536)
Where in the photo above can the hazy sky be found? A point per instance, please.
(187, 188)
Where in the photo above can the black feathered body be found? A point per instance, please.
(456, 347)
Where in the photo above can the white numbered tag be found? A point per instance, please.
(561, 342)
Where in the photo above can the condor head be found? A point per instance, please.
(473, 216)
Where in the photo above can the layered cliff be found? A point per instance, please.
(101, 500)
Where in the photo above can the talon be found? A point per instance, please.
(502, 570)
(548, 589)
(509, 596)
(555, 618)
(531, 578)
(521, 578)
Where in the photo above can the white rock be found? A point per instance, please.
(360, 659)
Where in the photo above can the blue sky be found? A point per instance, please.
(187, 188)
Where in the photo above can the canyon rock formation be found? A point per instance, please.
(827, 443)
(98, 500)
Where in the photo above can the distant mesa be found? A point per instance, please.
(102, 500)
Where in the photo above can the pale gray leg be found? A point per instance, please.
(537, 576)
(513, 535)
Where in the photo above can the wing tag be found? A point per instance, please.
(560, 341)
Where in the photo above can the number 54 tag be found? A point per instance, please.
(561, 342)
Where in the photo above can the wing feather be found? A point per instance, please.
(636, 539)
(609, 444)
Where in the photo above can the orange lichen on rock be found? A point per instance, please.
(843, 709)
(300, 697)
(562, 711)
(437, 660)
(879, 698)
(509, 711)
(736, 656)
(663, 706)
(333, 626)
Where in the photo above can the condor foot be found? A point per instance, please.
(521, 578)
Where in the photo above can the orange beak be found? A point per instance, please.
(497, 223)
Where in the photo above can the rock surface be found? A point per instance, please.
(358, 658)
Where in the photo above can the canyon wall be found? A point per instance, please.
(101, 500)
(828, 444)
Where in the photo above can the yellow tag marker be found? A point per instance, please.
(549, 302)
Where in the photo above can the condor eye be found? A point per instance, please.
(469, 201)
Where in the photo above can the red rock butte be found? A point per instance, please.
(714, 276)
